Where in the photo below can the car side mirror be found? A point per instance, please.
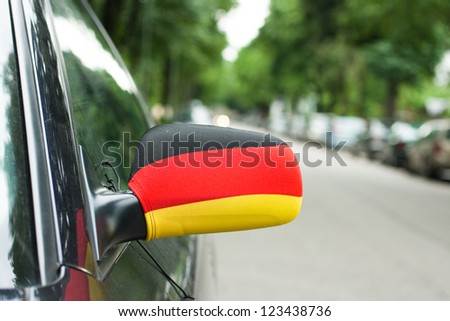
(191, 179)
(195, 179)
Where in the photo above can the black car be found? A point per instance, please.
(82, 187)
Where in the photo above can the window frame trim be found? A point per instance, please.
(49, 248)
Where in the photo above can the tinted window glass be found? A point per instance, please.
(108, 117)
(18, 259)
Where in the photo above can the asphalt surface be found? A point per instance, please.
(366, 231)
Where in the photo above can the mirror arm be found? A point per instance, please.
(119, 218)
(111, 218)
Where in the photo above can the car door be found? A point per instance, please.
(108, 111)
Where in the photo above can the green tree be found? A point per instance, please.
(302, 52)
(400, 41)
(353, 55)
(272, 66)
(168, 44)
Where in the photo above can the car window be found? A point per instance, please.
(108, 117)
(18, 254)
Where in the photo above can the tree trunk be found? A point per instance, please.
(391, 101)
(362, 105)
(165, 95)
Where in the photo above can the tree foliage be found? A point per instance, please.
(355, 56)
(167, 44)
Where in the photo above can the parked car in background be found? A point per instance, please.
(345, 129)
(430, 154)
(400, 136)
(371, 142)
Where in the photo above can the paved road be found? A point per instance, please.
(366, 232)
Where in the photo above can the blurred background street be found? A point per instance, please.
(366, 232)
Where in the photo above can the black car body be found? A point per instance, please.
(62, 84)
